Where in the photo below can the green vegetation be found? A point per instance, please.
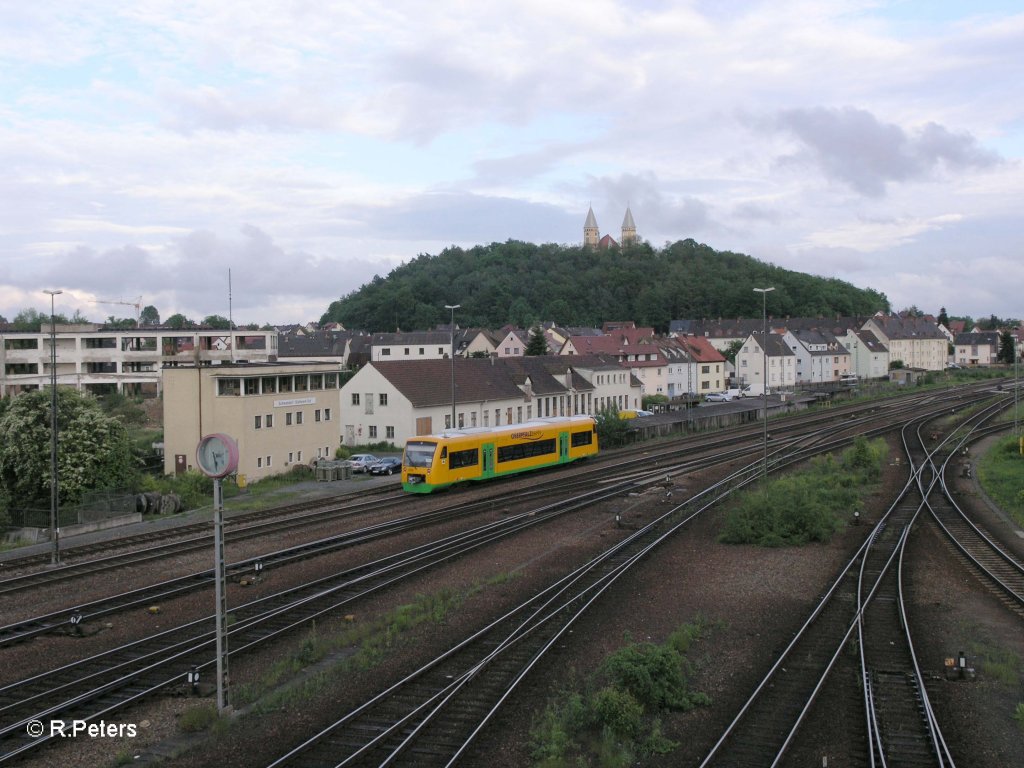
(611, 430)
(198, 718)
(380, 447)
(806, 506)
(611, 718)
(324, 659)
(95, 451)
(1000, 471)
(521, 283)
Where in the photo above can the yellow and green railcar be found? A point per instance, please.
(438, 461)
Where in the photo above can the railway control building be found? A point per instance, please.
(280, 414)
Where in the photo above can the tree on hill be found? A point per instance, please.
(517, 282)
(95, 450)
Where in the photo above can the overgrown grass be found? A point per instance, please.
(610, 718)
(807, 506)
(1001, 473)
(361, 647)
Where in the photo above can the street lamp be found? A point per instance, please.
(764, 369)
(453, 307)
(54, 527)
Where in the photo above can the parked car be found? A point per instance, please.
(718, 397)
(386, 466)
(755, 390)
(361, 461)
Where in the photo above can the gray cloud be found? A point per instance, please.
(852, 146)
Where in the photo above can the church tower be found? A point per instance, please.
(628, 230)
(591, 234)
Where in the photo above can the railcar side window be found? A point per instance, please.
(525, 450)
(582, 438)
(467, 458)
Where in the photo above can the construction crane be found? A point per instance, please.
(137, 304)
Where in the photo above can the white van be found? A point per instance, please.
(754, 390)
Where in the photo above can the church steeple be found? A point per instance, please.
(591, 234)
(628, 229)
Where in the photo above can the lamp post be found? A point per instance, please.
(54, 527)
(764, 369)
(453, 307)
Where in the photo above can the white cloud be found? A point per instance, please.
(311, 146)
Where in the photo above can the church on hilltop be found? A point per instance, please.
(592, 235)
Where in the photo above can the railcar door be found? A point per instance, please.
(563, 446)
(487, 451)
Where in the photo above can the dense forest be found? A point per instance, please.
(523, 283)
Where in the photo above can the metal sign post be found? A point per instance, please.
(217, 456)
(221, 596)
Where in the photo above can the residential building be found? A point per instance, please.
(755, 355)
(693, 366)
(915, 341)
(417, 345)
(634, 348)
(280, 414)
(976, 349)
(92, 358)
(869, 358)
(820, 357)
(398, 400)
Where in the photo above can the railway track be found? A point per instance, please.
(865, 604)
(129, 680)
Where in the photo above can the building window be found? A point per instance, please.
(291, 457)
(269, 384)
(421, 351)
(229, 387)
(301, 383)
(288, 419)
(389, 433)
(252, 386)
(330, 381)
(327, 414)
(440, 351)
(355, 398)
(373, 432)
(284, 383)
(298, 417)
(298, 458)
(316, 415)
(316, 381)
(259, 422)
(386, 352)
(259, 462)
(270, 420)
(383, 398)
(406, 351)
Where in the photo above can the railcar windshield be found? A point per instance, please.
(419, 453)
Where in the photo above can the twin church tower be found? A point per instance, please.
(592, 235)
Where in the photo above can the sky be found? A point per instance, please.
(151, 148)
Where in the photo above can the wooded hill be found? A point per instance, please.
(522, 283)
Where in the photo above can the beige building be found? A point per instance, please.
(280, 414)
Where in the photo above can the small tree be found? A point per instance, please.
(95, 450)
(611, 430)
(216, 321)
(538, 345)
(149, 315)
(1006, 344)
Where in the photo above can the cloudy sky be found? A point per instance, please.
(149, 147)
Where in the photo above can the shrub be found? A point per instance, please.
(618, 711)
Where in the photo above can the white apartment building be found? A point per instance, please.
(95, 359)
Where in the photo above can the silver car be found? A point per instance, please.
(361, 461)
